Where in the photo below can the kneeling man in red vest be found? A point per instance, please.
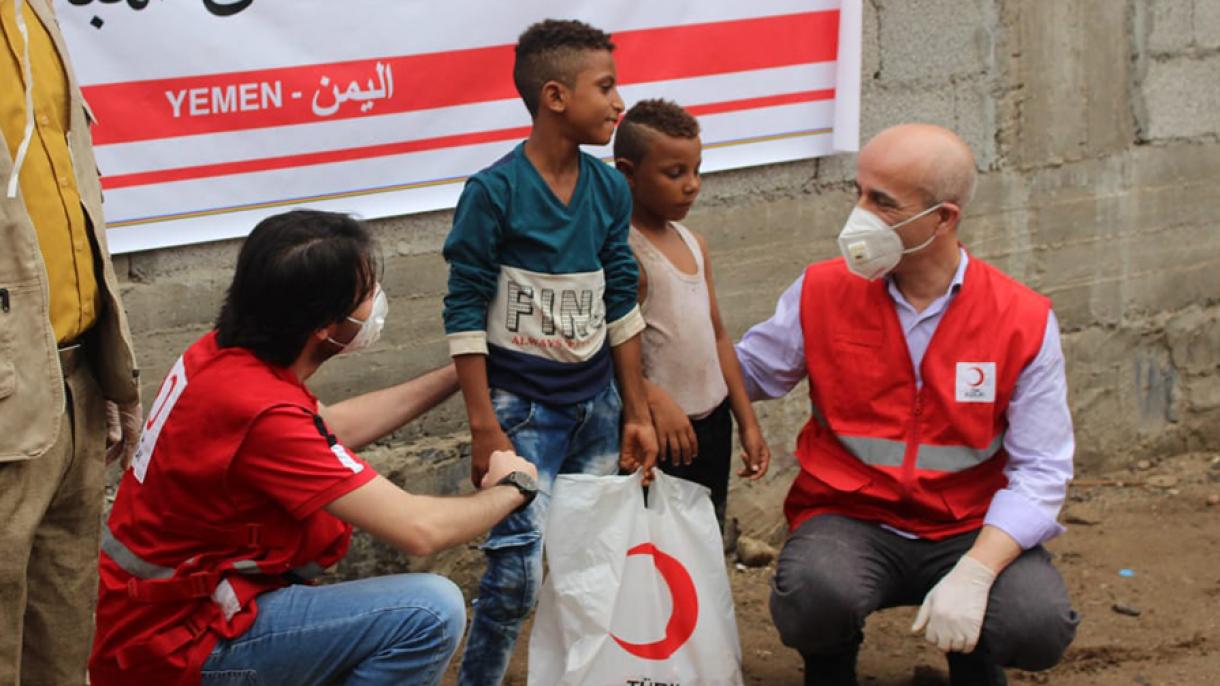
(244, 487)
(940, 444)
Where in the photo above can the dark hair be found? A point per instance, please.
(646, 117)
(297, 272)
(545, 52)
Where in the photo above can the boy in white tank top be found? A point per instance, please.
(691, 372)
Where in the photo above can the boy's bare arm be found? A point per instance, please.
(757, 455)
(643, 287)
(485, 432)
(639, 443)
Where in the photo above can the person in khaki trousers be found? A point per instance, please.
(69, 393)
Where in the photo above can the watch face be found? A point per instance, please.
(524, 481)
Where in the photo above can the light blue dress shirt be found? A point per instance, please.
(1039, 440)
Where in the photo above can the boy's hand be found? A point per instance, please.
(482, 444)
(757, 455)
(676, 440)
(501, 463)
(639, 448)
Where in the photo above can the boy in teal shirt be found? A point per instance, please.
(541, 315)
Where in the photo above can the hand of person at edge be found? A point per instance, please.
(123, 425)
(482, 444)
(756, 455)
(638, 449)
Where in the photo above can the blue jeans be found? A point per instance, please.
(399, 629)
(572, 439)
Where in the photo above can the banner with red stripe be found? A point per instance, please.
(213, 115)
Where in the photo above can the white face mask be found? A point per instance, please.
(370, 329)
(873, 248)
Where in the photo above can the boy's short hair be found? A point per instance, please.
(546, 52)
(646, 118)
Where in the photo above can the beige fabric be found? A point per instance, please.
(52, 512)
(679, 342)
(31, 391)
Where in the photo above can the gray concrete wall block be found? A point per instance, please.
(1067, 75)
(934, 40)
(870, 48)
(1170, 24)
(173, 303)
(885, 106)
(1206, 23)
(974, 119)
(1194, 341)
(208, 261)
(1182, 97)
(415, 234)
(1130, 393)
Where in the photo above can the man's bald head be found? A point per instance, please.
(930, 158)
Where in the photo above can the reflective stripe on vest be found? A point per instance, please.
(884, 452)
(140, 568)
(129, 561)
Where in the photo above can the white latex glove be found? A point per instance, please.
(123, 431)
(953, 610)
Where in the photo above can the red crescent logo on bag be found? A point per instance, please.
(685, 606)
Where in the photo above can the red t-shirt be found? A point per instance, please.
(288, 459)
(239, 443)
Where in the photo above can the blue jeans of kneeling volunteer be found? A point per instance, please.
(399, 629)
(572, 439)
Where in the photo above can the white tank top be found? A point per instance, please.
(679, 342)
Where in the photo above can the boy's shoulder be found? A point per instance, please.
(695, 236)
(499, 172)
(606, 178)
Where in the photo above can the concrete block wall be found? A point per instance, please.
(1096, 125)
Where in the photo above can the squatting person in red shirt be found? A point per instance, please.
(244, 486)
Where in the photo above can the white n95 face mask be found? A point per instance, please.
(873, 248)
(370, 329)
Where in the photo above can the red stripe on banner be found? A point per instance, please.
(168, 108)
(758, 103)
(310, 158)
(403, 147)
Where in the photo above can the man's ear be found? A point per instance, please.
(554, 97)
(627, 167)
(950, 216)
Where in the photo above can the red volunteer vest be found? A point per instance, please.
(877, 448)
(179, 568)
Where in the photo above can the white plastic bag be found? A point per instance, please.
(635, 596)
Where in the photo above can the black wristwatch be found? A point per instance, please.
(522, 482)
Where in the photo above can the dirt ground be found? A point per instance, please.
(1152, 519)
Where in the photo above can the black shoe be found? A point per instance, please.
(831, 670)
(974, 669)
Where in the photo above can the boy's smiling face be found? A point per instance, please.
(593, 106)
(666, 181)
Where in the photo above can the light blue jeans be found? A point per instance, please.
(573, 439)
(399, 629)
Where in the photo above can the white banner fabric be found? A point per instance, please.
(213, 114)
